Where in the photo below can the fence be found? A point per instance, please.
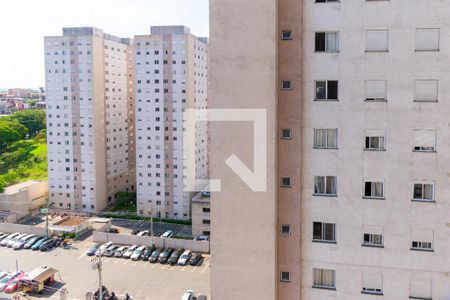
(122, 239)
(11, 228)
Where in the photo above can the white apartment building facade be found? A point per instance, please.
(90, 118)
(358, 149)
(171, 76)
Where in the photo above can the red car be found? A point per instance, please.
(13, 284)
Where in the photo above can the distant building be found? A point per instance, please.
(201, 219)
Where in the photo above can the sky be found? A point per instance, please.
(24, 23)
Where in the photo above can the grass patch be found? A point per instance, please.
(139, 218)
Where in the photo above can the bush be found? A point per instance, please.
(139, 218)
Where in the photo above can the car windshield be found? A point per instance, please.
(184, 256)
(6, 279)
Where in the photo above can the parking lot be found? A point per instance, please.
(140, 279)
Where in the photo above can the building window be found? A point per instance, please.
(372, 236)
(286, 133)
(325, 138)
(374, 140)
(372, 283)
(285, 229)
(424, 140)
(323, 278)
(324, 232)
(286, 181)
(325, 185)
(426, 91)
(326, 90)
(286, 85)
(373, 189)
(376, 41)
(423, 192)
(422, 239)
(376, 90)
(327, 42)
(285, 276)
(427, 39)
(420, 288)
(286, 35)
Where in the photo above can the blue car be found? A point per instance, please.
(36, 245)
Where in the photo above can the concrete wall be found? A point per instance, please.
(25, 200)
(11, 228)
(122, 239)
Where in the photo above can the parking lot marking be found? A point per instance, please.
(205, 268)
(133, 265)
(81, 256)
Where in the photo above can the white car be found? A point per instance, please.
(119, 252)
(20, 243)
(167, 234)
(130, 251)
(102, 248)
(184, 258)
(143, 233)
(13, 240)
(137, 253)
(188, 295)
(3, 274)
(8, 238)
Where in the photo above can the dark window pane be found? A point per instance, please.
(317, 231)
(320, 41)
(368, 189)
(333, 90)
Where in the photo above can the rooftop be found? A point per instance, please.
(71, 221)
(13, 189)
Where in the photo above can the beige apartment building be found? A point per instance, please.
(356, 203)
(90, 118)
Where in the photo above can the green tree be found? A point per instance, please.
(10, 132)
(32, 119)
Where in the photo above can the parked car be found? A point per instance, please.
(184, 258)
(188, 295)
(147, 252)
(135, 231)
(110, 250)
(102, 248)
(91, 251)
(167, 234)
(144, 233)
(201, 238)
(31, 241)
(8, 238)
(173, 259)
(3, 274)
(3, 235)
(201, 297)
(112, 230)
(5, 280)
(196, 259)
(20, 243)
(164, 256)
(13, 284)
(39, 243)
(129, 252)
(49, 244)
(155, 255)
(119, 252)
(15, 239)
(137, 253)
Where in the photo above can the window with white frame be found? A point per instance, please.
(426, 90)
(423, 191)
(323, 278)
(285, 229)
(376, 90)
(324, 232)
(286, 35)
(372, 283)
(327, 41)
(285, 276)
(422, 239)
(325, 185)
(427, 39)
(424, 140)
(372, 236)
(286, 85)
(420, 288)
(374, 189)
(376, 40)
(325, 138)
(375, 139)
(326, 90)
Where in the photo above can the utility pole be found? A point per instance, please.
(46, 218)
(97, 265)
(151, 225)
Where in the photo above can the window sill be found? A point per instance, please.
(374, 198)
(424, 151)
(326, 100)
(425, 101)
(372, 246)
(372, 293)
(377, 51)
(422, 200)
(422, 250)
(375, 100)
(374, 150)
(419, 298)
(324, 195)
(427, 50)
(324, 287)
(321, 148)
(327, 52)
(324, 242)
(285, 186)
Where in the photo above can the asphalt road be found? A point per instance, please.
(180, 230)
(142, 280)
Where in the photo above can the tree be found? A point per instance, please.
(10, 132)
(32, 119)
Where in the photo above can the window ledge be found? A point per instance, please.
(375, 100)
(377, 51)
(422, 200)
(327, 52)
(324, 195)
(372, 293)
(374, 198)
(324, 242)
(326, 100)
(419, 298)
(372, 246)
(422, 250)
(424, 151)
(425, 101)
(322, 148)
(324, 287)
(427, 50)
(374, 150)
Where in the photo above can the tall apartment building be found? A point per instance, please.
(358, 149)
(90, 118)
(171, 76)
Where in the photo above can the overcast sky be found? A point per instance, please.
(24, 23)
